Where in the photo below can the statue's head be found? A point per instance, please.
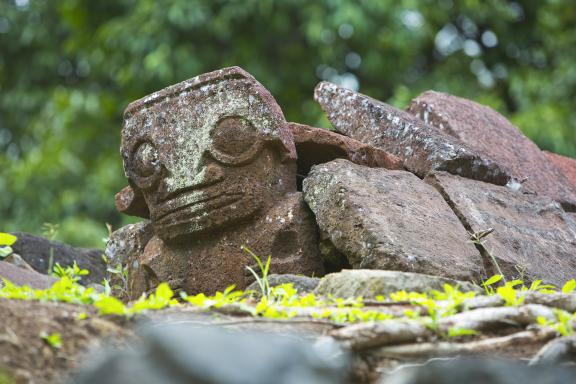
(207, 152)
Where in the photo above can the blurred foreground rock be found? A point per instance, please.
(184, 354)
(458, 371)
(36, 251)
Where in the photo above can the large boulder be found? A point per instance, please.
(36, 251)
(533, 237)
(488, 132)
(369, 283)
(383, 219)
(422, 147)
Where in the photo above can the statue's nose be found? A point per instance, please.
(205, 175)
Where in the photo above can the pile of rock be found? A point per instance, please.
(213, 165)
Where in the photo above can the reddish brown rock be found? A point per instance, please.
(533, 237)
(316, 146)
(389, 219)
(215, 162)
(20, 276)
(287, 232)
(486, 131)
(130, 202)
(422, 147)
(566, 166)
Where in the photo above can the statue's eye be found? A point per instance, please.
(145, 160)
(233, 136)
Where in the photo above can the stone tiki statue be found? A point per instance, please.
(211, 162)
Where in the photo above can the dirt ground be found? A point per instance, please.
(26, 357)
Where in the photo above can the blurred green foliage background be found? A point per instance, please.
(68, 68)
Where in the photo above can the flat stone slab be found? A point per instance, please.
(533, 237)
(389, 219)
(370, 283)
(486, 131)
(422, 147)
(317, 146)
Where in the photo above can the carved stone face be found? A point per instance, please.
(206, 153)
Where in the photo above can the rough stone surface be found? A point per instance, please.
(565, 165)
(301, 283)
(36, 251)
(287, 232)
(488, 132)
(382, 219)
(20, 276)
(215, 161)
(371, 283)
(127, 243)
(130, 202)
(27, 358)
(165, 356)
(422, 147)
(317, 146)
(17, 260)
(533, 237)
(481, 371)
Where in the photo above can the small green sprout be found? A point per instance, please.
(491, 281)
(569, 287)
(74, 272)
(6, 240)
(562, 324)
(537, 286)
(458, 332)
(477, 238)
(263, 282)
(54, 340)
(510, 295)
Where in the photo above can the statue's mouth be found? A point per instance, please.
(189, 206)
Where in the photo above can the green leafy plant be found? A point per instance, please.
(488, 284)
(569, 287)
(537, 286)
(120, 271)
(262, 281)
(6, 240)
(510, 295)
(562, 324)
(74, 272)
(54, 340)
